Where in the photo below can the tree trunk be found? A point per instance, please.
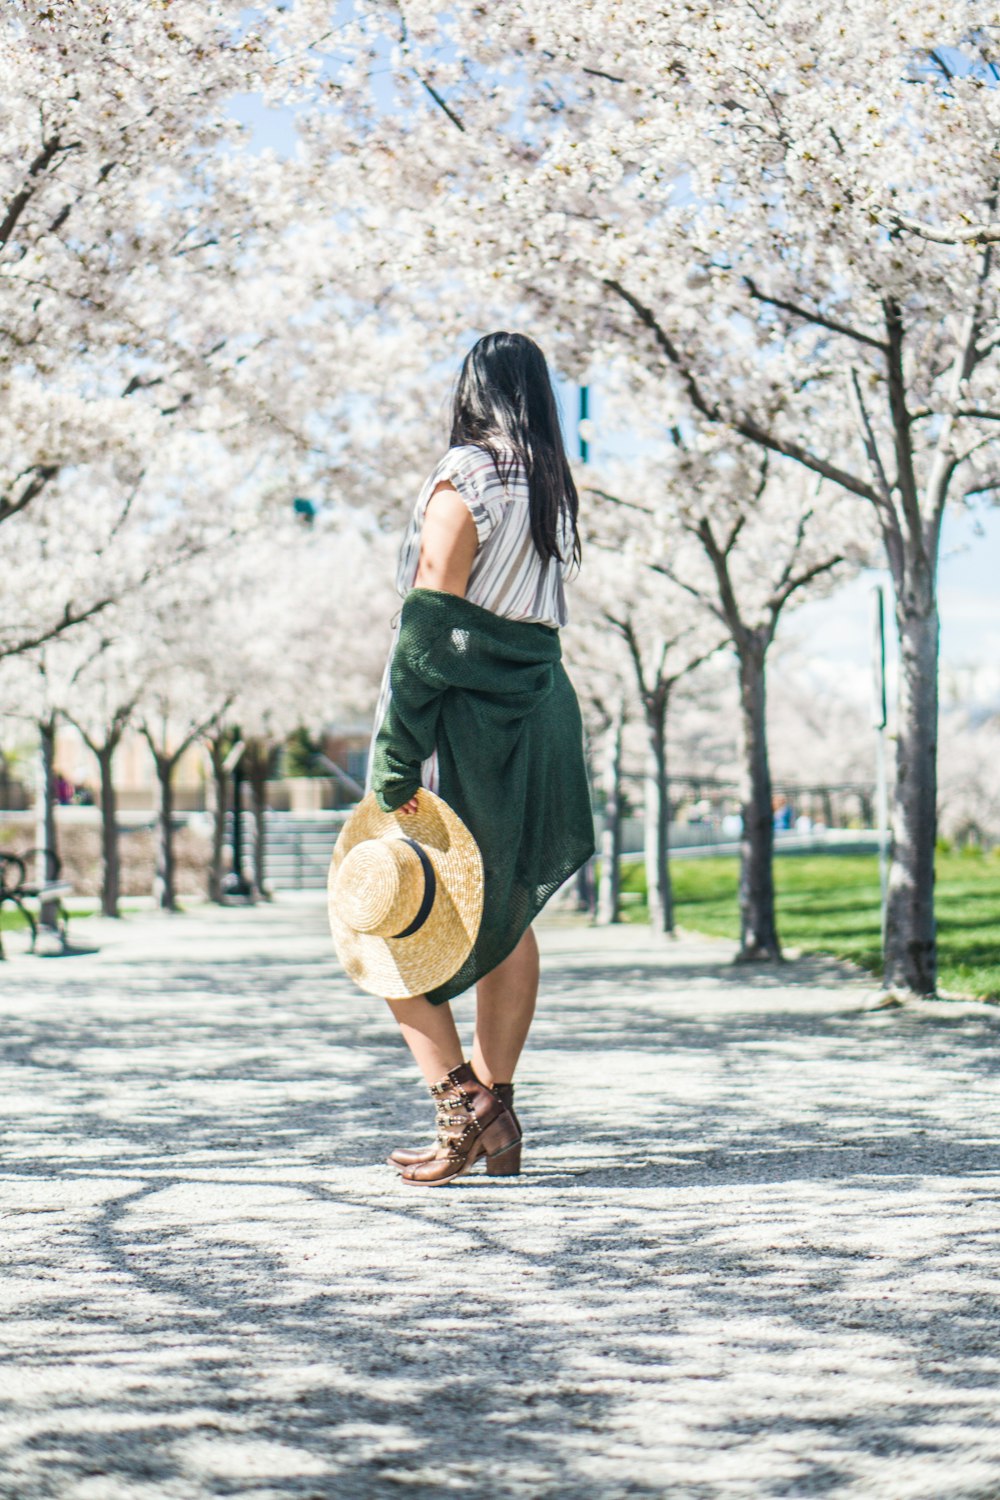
(218, 749)
(609, 894)
(46, 837)
(659, 892)
(110, 861)
(758, 931)
(163, 884)
(583, 880)
(910, 935)
(260, 762)
(258, 799)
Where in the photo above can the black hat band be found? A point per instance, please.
(430, 891)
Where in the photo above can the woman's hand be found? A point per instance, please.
(408, 807)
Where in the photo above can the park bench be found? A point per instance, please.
(25, 893)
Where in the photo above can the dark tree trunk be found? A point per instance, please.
(585, 887)
(583, 880)
(260, 759)
(609, 894)
(910, 934)
(218, 749)
(659, 890)
(164, 883)
(110, 860)
(758, 930)
(258, 799)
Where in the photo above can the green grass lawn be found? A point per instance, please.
(11, 919)
(830, 904)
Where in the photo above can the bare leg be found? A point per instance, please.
(505, 1005)
(429, 1032)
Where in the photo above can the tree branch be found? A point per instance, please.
(868, 437)
(744, 425)
(799, 580)
(884, 509)
(41, 475)
(974, 234)
(114, 731)
(983, 487)
(811, 316)
(731, 612)
(50, 149)
(70, 617)
(696, 661)
(590, 489)
(195, 733)
(689, 588)
(440, 102)
(906, 481)
(805, 517)
(945, 462)
(626, 630)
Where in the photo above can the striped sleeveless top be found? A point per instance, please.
(507, 576)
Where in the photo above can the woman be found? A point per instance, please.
(476, 706)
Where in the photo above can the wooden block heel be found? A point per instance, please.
(473, 1122)
(506, 1163)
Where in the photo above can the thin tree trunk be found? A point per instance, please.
(46, 836)
(659, 891)
(258, 800)
(910, 934)
(164, 883)
(110, 854)
(758, 930)
(609, 894)
(584, 881)
(259, 762)
(218, 748)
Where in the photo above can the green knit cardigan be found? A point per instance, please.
(493, 697)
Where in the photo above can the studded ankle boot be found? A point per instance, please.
(406, 1156)
(472, 1122)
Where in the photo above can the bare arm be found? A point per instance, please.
(448, 544)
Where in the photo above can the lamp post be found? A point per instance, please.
(235, 886)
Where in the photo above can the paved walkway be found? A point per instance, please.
(755, 1251)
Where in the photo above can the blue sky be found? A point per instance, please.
(968, 596)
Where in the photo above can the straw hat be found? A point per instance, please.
(405, 896)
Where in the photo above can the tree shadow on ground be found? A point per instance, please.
(753, 1252)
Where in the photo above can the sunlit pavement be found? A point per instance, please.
(754, 1252)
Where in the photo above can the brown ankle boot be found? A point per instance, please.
(407, 1156)
(472, 1122)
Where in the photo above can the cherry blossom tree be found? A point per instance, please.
(744, 538)
(305, 650)
(658, 638)
(86, 679)
(784, 218)
(31, 688)
(161, 274)
(99, 698)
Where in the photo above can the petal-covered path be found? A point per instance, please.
(755, 1250)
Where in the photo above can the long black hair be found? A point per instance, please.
(505, 404)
